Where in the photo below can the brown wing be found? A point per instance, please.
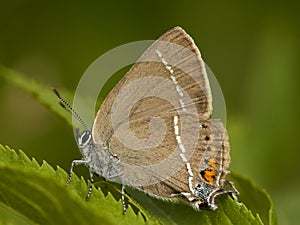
(214, 164)
(211, 155)
(137, 119)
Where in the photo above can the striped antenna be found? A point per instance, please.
(69, 108)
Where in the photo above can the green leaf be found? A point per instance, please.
(40, 92)
(34, 193)
(255, 198)
(228, 212)
(37, 195)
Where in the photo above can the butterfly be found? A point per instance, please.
(154, 130)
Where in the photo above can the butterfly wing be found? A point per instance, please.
(196, 84)
(208, 163)
(156, 119)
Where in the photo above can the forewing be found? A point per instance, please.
(152, 119)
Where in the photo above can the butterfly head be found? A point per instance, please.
(84, 141)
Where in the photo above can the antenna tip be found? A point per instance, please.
(56, 92)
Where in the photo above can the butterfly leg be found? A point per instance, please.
(74, 163)
(90, 186)
(212, 204)
(233, 191)
(123, 198)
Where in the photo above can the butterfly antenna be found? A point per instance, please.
(69, 108)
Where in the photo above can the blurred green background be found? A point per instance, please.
(252, 47)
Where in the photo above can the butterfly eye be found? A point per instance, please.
(85, 138)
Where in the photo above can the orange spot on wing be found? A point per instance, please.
(209, 175)
(212, 163)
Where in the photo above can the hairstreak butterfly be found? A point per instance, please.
(154, 130)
